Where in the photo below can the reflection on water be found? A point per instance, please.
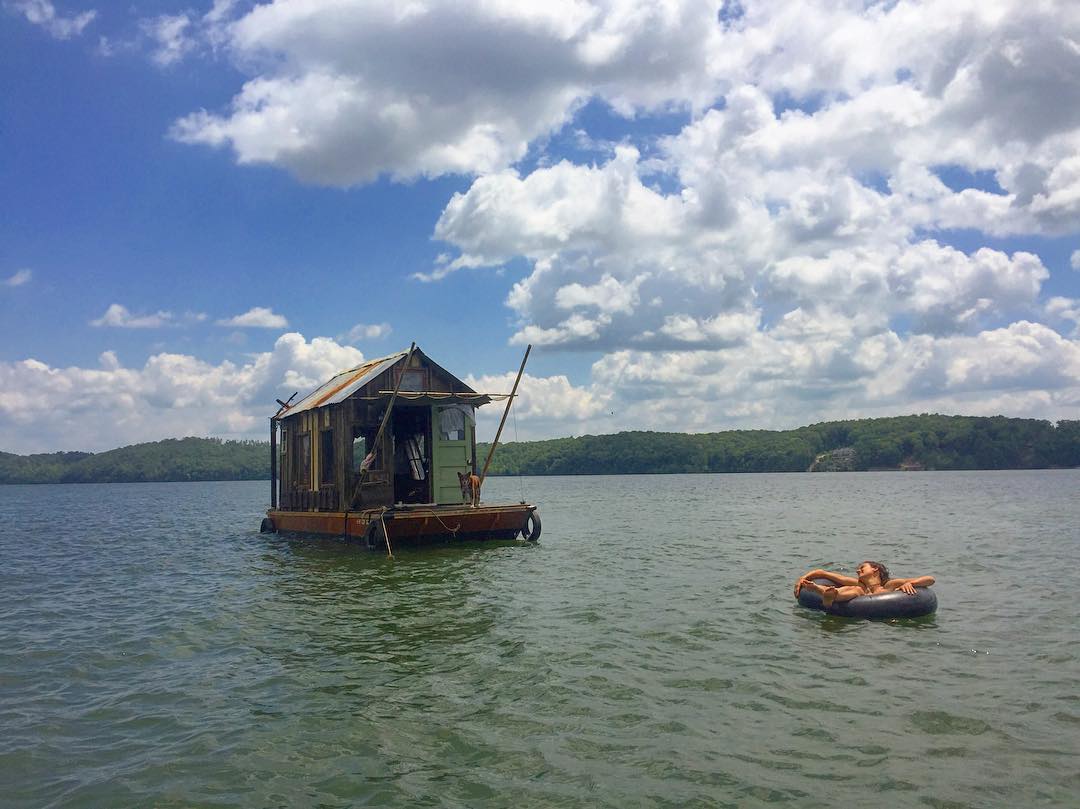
(157, 650)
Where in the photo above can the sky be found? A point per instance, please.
(701, 215)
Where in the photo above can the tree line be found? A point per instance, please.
(915, 442)
(174, 459)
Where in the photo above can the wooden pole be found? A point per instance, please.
(506, 412)
(382, 425)
(273, 464)
(385, 533)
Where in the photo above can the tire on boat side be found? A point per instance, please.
(530, 531)
(267, 526)
(374, 538)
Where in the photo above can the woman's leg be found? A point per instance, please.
(829, 595)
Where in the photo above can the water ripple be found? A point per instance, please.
(159, 651)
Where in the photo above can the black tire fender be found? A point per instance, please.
(267, 526)
(373, 537)
(530, 531)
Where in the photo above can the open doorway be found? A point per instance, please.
(411, 430)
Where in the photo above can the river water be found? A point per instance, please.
(156, 650)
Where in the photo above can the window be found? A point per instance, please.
(283, 458)
(414, 379)
(303, 461)
(452, 421)
(362, 444)
(326, 457)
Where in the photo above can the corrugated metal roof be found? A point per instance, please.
(343, 385)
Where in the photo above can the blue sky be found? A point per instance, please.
(760, 219)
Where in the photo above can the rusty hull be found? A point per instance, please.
(413, 524)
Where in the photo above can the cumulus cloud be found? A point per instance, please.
(1062, 308)
(118, 316)
(258, 317)
(345, 92)
(781, 383)
(757, 221)
(1074, 260)
(172, 36)
(44, 14)
(18, 278)
(944, 289)
(43, 408)
(365, 331)
(542, 404)
(781, 257)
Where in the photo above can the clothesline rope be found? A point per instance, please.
(441, 394)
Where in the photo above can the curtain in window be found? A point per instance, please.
(452, 421)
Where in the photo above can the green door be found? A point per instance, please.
(451, 444)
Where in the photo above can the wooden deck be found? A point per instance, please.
(409, 524)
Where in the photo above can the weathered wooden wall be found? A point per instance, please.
(305, 490)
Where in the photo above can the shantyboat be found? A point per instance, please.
(383, 454)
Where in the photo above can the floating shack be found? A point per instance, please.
(374, 454)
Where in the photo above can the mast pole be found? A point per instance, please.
(506, 412)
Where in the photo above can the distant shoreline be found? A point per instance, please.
(579, 474)
(902, 443)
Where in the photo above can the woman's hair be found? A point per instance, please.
(882, 571)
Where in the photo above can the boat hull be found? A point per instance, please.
(408, 525)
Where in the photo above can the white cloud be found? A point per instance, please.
(18, 278)
(559, 209)
(1063, 308)
(345, 92)
(1074, 260)
(943, 288)
(173, 37)
(365, 331)
(731, 328)
(43, 408)
(258, 317)
(607, 295)
(44, 13)
(784, 257)
(117, 316)
(544, 405)
(770, 382)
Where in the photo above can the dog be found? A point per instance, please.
(470, 488)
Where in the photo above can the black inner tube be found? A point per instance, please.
(882, 605)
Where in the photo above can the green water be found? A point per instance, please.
(155, 650)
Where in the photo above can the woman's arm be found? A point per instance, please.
(835, 578)
(908, 585)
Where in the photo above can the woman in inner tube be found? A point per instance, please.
(873, 578)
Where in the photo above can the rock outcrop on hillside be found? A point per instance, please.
(842, 459)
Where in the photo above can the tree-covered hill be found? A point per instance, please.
(171, 459)
(916, 442)
(926, 441)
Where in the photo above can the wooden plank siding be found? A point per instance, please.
(303, 489)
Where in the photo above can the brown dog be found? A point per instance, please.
(470, 488)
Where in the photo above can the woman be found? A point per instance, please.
(873, 578)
